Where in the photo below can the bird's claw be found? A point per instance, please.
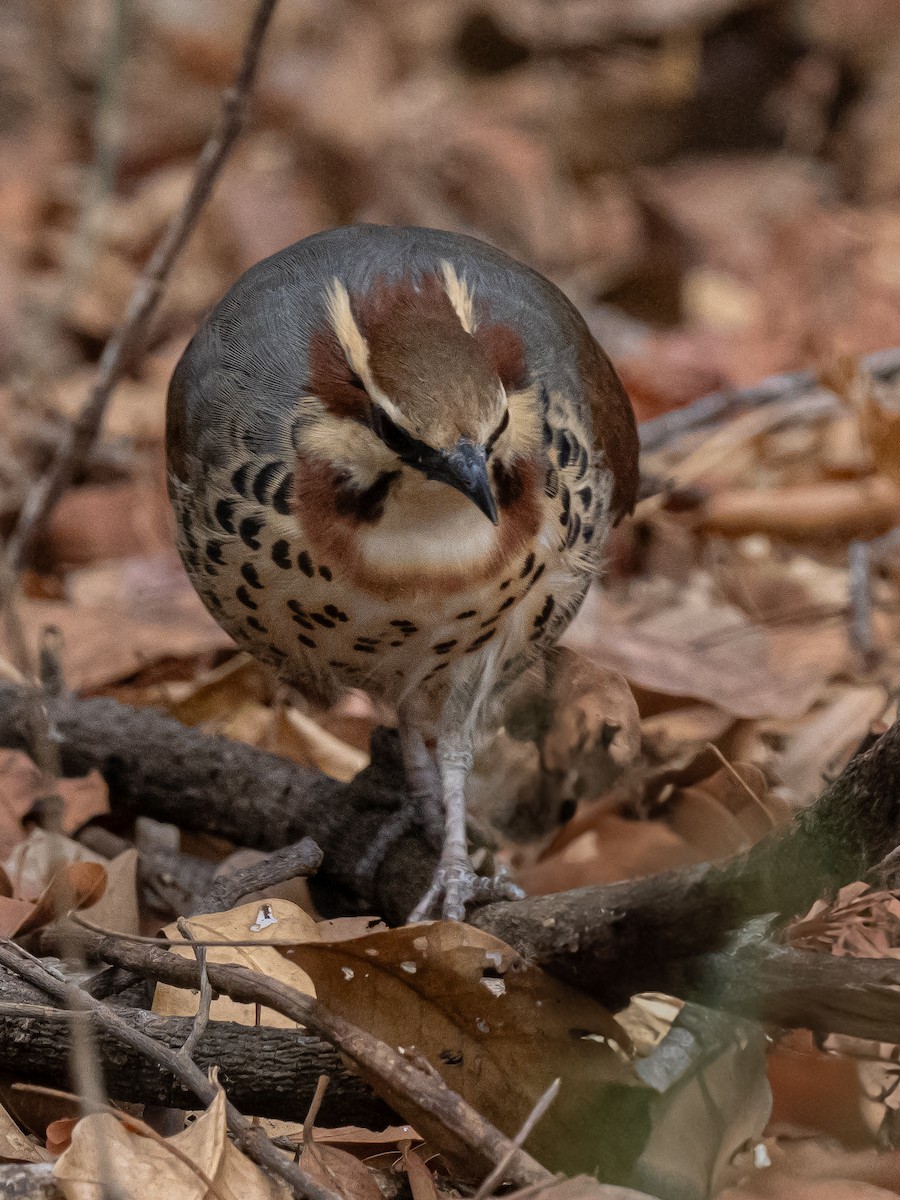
(457, 884)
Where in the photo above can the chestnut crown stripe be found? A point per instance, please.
(353, 356)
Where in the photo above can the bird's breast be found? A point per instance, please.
(418, 537)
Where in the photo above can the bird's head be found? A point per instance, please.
(410, 377)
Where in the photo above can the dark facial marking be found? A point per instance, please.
(369, 641)
(248, 529)
(505, 584)
(396, 643)
(367, 504)
(334, 611)
(225, 515)
(281, 554)
(508, 483)
(585, 495)
(406, 626)
(214, 552)
(321, 619)
(303, 621)
(528, 566)
(464, 616)
(257, 625)
(306, 641)
(535, 577)
(445, 647)
(245, 598)
(498, 432)
(565, 503)
(588, 533)
(325, 572)
(563, 449)
(250, 573)
(365, 649)
(264, 479)
(304, 562)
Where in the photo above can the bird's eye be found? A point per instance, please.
(504, 421)
(391, 434)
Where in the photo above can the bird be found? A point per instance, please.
(395, 455)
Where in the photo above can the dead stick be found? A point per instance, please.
(250, 1137)
(484, 1144)
(129, 341)
(717, 406)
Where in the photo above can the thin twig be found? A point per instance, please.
(293, 862)
(129, 341)
(541, 1106)
(859, 562)
(201, 1020)
(718, 406)
(250, 1137)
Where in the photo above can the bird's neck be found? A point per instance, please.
(407, 533)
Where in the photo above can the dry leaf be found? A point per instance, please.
(117, 908)
(263, 919)
(340, 1172)
(421, 1181)
(475, 1010)
(104, 1153)
(698, 649)
(23, 784)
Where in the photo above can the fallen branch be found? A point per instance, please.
(664, 932)
(157, 767)
(645, 934)
(267, 1072)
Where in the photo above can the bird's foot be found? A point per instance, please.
(457, 884)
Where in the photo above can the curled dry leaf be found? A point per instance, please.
(475, 1010)
(265, 919)
(105, 1156)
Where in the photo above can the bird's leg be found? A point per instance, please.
(423, 782)
(455, 879)
(423, 801)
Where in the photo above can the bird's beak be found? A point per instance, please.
(465, 468)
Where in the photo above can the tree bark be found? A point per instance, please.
(267, 1072)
